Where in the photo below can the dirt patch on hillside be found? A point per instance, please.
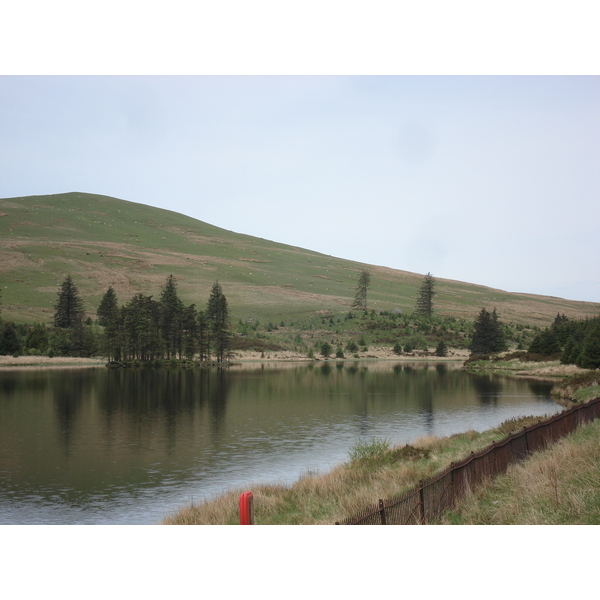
(17, 260)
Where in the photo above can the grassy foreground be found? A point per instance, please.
(558, 486)
(373, 471)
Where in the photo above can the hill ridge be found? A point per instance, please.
(102, 241)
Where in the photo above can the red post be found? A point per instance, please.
(246, 509)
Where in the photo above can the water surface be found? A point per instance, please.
(99, 446)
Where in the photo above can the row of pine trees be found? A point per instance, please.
(145, 329)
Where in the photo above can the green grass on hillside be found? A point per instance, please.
(102, 241)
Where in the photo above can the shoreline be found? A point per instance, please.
(44, 362)
(243, 357)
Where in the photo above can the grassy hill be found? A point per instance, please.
(104, 241)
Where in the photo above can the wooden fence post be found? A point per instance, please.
(421, 503)
(382, 512)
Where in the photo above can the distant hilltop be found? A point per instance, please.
(102, 241)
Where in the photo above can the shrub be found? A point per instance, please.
(441, 349)
(372, 450)
(351, 346)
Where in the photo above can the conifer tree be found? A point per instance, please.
(426, 294)
(69, 306)
(190, 331)
(9, 340)
(37, 338)
(108, 310)
(203, 336)
(171, 315)
(217, 315)
(360, 299)
(589, 358)
(488, 335)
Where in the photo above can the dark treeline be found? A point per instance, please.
(576, 340)
(143, 329)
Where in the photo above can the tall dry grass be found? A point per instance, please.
(558, 486)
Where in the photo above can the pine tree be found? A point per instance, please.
(171, 316)
(360, 299)
(190, 331)
(203, 340)
(37, 338)
(499, 338)
(488, 335)
(442, 349)
(69, 306)
(545, 343)
(590, 352)
(108, 311)
(217, 315)
(109, 316)
(426, 294)
(9, 341)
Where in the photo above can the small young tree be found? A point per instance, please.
(360, 299)
(426, 294)
(325, 350)
(442, 349)
(69, 306)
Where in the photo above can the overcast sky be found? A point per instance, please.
(490, 180)
(487, 179)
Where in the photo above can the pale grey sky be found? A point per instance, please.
(486, 179)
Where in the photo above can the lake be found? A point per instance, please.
(101, 446)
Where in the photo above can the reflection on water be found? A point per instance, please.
(129, 446)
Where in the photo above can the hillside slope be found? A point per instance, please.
(104, 241)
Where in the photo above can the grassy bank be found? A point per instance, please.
(374, 470)
(559, 486)
(572, 384)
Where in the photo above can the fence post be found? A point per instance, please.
(527, 452)
(382, 512)
(421, 503)
(246, 509)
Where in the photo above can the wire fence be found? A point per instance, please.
(440, 493)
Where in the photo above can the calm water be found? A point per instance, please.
(97, 446)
